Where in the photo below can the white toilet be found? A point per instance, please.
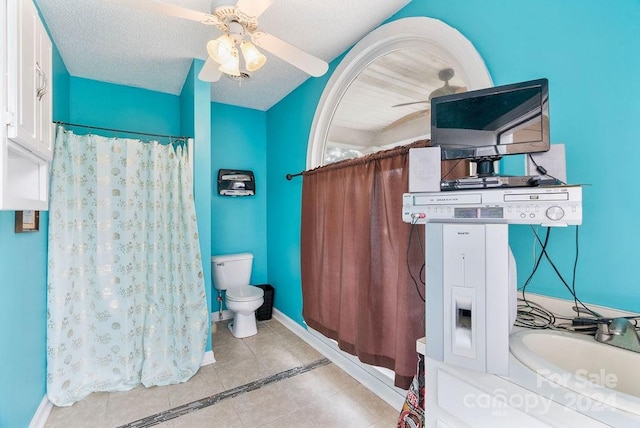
(232, 273)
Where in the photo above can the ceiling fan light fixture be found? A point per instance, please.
(232, 65)
(221, 49)
(253, 58)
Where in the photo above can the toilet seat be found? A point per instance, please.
(244, 293)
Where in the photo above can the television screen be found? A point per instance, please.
(486, 124)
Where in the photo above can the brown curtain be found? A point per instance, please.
(356, 285)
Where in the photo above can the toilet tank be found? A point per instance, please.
(231, 270)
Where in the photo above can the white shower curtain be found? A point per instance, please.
(126, 298)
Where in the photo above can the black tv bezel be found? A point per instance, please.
(471, 152)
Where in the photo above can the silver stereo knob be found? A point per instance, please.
(555, 213)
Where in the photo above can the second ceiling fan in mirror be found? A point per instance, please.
(445, 75)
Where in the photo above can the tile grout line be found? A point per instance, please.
(230, 393)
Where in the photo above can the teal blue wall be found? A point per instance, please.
(238, 141)
(23, 315)
(61, 82)
(288, 126)
(587, 50)
(123, 107)
(195, 107)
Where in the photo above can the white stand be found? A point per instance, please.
(471, 303)
(471, 295)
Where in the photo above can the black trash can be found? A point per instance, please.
(263, 313)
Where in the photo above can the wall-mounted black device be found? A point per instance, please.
(236, 182)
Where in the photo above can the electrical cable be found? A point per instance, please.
(535, 267)
(542, 170)
(573, 279)
(415, 282)
(543, 251)
(532, 315)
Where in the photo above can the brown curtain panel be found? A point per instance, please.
(356, 259)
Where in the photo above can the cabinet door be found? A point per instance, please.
(22, 84)
(29, 79)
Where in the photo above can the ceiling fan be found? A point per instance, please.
(445, 75)
(239, 25)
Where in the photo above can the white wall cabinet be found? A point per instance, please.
(27, 138)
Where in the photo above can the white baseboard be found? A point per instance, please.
(42, 414)
(209, 358)
(369, 376)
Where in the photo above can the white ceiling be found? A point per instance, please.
(107, 40)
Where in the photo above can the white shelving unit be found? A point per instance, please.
(26, 144)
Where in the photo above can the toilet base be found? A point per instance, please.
(243, 325)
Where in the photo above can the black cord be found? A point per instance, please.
(532, 315)
(536, 265)
(573, 279)
(542, 170)
(415, 282)
(543, 251)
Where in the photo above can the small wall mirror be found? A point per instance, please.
(378, 97)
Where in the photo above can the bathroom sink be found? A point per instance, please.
(602, 372)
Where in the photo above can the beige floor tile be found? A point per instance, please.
(220, 415)
(232, 352)
(278, 359)
(379, 409)
(264, 405)
(125, 407)
(337, 376)
(243, 371)
(334, 411)
(204, 384)
(305, 353)
(92, 407)
(265, 340)
(310, 387)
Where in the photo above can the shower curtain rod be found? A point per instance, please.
(124, 131)
(290, 176)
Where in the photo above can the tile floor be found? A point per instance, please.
(322, 396)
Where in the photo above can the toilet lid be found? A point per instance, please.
(245, 293)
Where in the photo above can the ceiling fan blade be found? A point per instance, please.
(421, 114)
(296, 57)
(411, 103)
(163, 8)
(254, 8)
(209, 71)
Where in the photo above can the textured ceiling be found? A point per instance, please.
(107, 40)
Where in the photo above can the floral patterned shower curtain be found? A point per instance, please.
(126, 297)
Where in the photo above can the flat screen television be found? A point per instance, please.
(487, 124)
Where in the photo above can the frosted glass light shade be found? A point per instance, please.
(221, 49)
(231, 65)
(253, 59)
